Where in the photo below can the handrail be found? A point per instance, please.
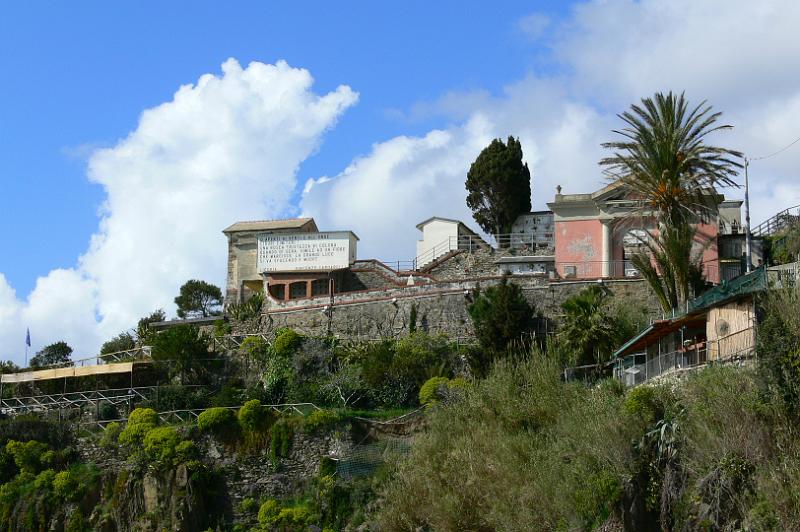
(776, 222)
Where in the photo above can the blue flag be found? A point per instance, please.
(28, 338)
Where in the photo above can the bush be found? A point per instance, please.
(110, 437)
(501, 316)
(185, 346)
(429, 393)
(159, 445)
(253, 417)
(286, 342)
(220, 422)
(65, 485)
(44, 480)
(27, 456)
(642, 402)
(249, 505)
(281, 438)
(255, 348)
(185, 451)
(319, 419)
(268, 512)
(140, 422)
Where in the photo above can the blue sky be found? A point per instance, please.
(130, 135)
(78, 74)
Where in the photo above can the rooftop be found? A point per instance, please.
(271, 225)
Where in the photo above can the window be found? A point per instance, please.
(319, 287)
(298, 290)
(278, 291)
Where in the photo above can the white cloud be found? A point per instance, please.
(225, 148)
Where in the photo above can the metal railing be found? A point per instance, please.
(778, 222)
(522, 242)
(137, 353)
(235, 341)
(597, 269)
(638, 369)
(58, 401)
(784, 275)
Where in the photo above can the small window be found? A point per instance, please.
(570, 271)
(319, 287)
(298, 290)
(278, 291)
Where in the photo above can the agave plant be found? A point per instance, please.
(665, 162)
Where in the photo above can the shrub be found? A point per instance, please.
(184, 346)
(140, 421)
(249, 505)
(429, 393)
(286, 342)
(281, 438)
(44, 480)
(500, 315)
(65, 485)
(319, 419)
(255, 347)
(268, 512)
(253, 417)
(76, 522)
(185, 451)
(159, 445)
(27, 455)
(642, 403)
(110, 437)
(220, 422)
(107, 410)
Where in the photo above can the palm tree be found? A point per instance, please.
(587, 333)
(665, 163)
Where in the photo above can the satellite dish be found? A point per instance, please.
(723, 328)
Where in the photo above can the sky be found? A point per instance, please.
(131, 135)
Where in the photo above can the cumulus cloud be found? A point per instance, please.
(735, 54)
(225, 148)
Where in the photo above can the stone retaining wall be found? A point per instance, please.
(441, 307)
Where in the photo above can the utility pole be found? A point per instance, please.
(747, 238)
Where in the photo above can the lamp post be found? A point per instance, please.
(747, 237)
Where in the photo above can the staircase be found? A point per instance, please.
(778, 226)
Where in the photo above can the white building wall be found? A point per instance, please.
(438, 237)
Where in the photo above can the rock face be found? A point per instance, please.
(150, 501)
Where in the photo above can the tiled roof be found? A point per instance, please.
(270, 225)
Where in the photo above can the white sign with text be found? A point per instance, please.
(305, 251)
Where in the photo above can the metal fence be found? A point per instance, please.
(363, 460)
(639, 369)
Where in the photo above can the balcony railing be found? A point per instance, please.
(617, 269)
(636, 369)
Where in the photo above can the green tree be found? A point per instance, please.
(184, 346)
(122, 342)
(587, 331)
(499, 186)
(144, 334)
(501, 316)
(199, 299)
(664, 162)
(56, 353)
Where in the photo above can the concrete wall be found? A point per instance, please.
(579, 243)
(436, 233)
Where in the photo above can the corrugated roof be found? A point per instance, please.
(270, 225)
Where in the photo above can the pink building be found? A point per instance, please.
(595, 238)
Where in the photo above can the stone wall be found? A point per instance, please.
(441, 307)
